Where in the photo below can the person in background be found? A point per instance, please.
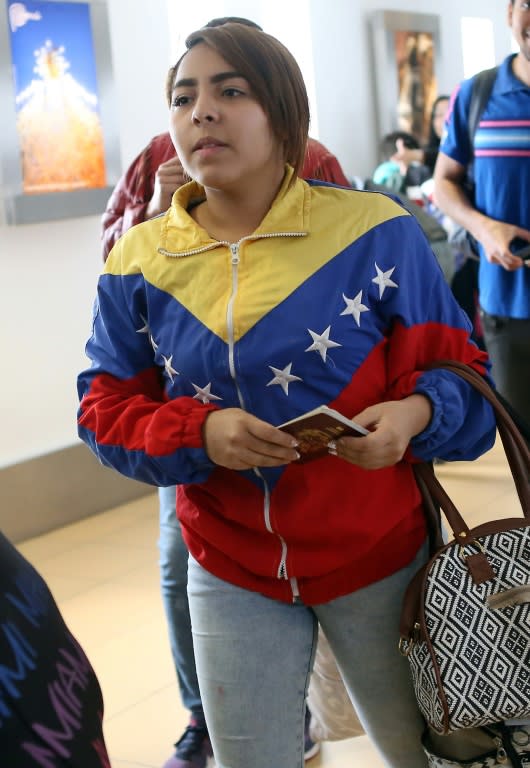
(405, 155)
(256, 297)
(464, 280)
(499, 217)
(51, 707)
(144, 191)
(397, 176)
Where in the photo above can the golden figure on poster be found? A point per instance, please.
(60, 131)
(417, 87)
(56, 97)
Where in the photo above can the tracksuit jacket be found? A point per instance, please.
(335, 299)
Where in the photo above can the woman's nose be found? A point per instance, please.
(204, 111)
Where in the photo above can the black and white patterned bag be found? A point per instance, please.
(465, 624)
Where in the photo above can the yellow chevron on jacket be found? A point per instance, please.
(176, 255)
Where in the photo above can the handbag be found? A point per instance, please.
(503, 746)
(465, 622)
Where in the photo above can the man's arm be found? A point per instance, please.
(450, 197)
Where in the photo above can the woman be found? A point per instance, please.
(405, 155)
(257, 297)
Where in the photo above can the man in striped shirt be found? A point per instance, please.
(499, 216)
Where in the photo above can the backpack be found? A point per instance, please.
(460, 239)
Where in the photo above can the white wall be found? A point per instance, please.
(49, 270)
(343, 66)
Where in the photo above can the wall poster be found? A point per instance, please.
(59, 156)
(56, 97)
(406, 51)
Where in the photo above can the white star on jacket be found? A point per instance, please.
(283, 377)
(321, 342)
(383, 280)
(169, 368)
(355, 307)
(203, 393)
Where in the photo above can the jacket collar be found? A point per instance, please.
(180, 235)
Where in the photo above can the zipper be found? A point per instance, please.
(235, 260)
(281, 573)
(211, 246)
(192, 252)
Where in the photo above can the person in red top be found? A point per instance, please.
(144, 191)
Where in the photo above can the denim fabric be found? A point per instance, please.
(173, 583)
(254, 658)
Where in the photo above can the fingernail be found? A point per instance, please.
(295, 444)
(332, 445)
(297, 455)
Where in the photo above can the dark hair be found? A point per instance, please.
(232, 20)
(387, 146)
(217, 22)
(273, 75)
(434, 140)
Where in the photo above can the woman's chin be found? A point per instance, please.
(216, 180)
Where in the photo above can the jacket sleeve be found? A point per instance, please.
(128, 202)
(428, 325)
(124, 414)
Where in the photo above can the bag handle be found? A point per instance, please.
(435, 498)
(517, 453)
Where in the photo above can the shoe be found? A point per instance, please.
(311, 748)
(193, 749)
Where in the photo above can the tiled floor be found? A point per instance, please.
(103, 572)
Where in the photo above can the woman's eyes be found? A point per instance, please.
(229, 91)
(180, 101)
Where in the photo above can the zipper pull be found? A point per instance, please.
(234, 248)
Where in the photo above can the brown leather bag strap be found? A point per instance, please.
(515, 447)
(435, 497)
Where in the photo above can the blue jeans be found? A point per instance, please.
(254, 658)
(173, 583)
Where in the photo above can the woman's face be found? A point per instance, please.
(439, 116)
(220, 131)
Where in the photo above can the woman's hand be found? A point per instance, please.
(392, 425)
(237, 440)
